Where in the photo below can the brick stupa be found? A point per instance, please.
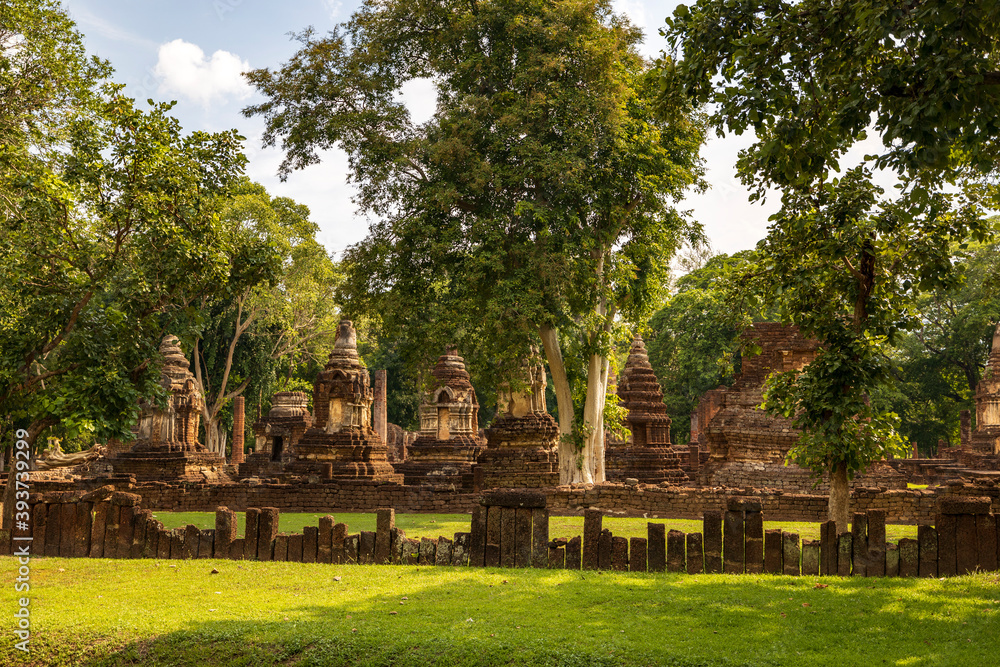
(166, 446)
(341, 444)
(648, 457)
(448, 444)
(277, 435)
(523, 441)
(985, 439)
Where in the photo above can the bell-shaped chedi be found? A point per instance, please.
(648, 457)
(277, 435)
(341, 444)
(986, 437)
(448, 443)
(523, 441)
(166, 445)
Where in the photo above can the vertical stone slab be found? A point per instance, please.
(206, 546)
(619, 554)
(54, 523)
(338, 549)
(126, 530)
(385, 522)
(225, 531)
(178, 550)
(162, 544)
(845, 553)
(366, 547)
(352, 548)
(427, 551)
(38, 523)
(460, 550)
(98, 525)
(592, 520)
(398, 540)
(891, 560)
(637, 554)
(574, 553)
(947, 547)
(411, 552)
(250, 530)
(236, 549)
(928, 545)
(142, 517)
(239, 407)
(267, 530)
(734, 557)
(695, 554)
(310, 544)
(656, 546)
(712, 531)
(772, 551)
(522, 537)
(810, 557)
(875, 561)
(324, 548)
(557, 558)
(966, 544)
(508, 536)
(540, 538)
(81, 532)
(443, 551)
(986, 532)
(67, 529)
(828, 548)
(604, 543)
(477, 543)
(909, 557)
(150, 549)
(491, 551)
(859, 543)
(281, 547)
(192, 541)
(753, 529)
(790, 553)
(295, 548)
(675, 551)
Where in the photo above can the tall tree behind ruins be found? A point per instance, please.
(843, 261)
(537, 202)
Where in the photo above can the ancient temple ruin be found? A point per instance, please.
(448, 444)
(523, 441)
(277, 435)
(647, 456)
(166, 445)
(747, 445)
(985, 439)
(341, 443)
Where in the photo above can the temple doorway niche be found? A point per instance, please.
(444, 433)
(276, 448)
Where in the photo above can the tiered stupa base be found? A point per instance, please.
(522, 452)
(351, 453)
(432, 462)
(160, 464)
(649, 465)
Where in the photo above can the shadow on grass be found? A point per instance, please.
(402, 616)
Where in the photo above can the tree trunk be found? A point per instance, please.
(568, 472)
(215, 436)
(593, 421)
(840, 498)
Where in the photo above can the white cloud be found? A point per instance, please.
(420, 97)
(333, 8)
(184, 70)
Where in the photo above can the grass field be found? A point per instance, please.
(434, 525)
(149, 612)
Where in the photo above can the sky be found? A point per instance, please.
(193, 51)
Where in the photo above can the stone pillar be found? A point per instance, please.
(239, 405)
(966, 432)
(694, 428)
(379, 422)
(916, 450)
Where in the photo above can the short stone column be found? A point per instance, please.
(379, 414)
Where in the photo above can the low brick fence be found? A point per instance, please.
(510, 529)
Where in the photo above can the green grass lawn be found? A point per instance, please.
(434, 525)
(150, 612)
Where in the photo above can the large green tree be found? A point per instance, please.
(537, 202)
(841, 260)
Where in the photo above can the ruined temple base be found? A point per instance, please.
(649, 465)
(434, 462)
(159, 466)
(348, 454)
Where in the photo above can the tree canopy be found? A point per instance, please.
(538, 201)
